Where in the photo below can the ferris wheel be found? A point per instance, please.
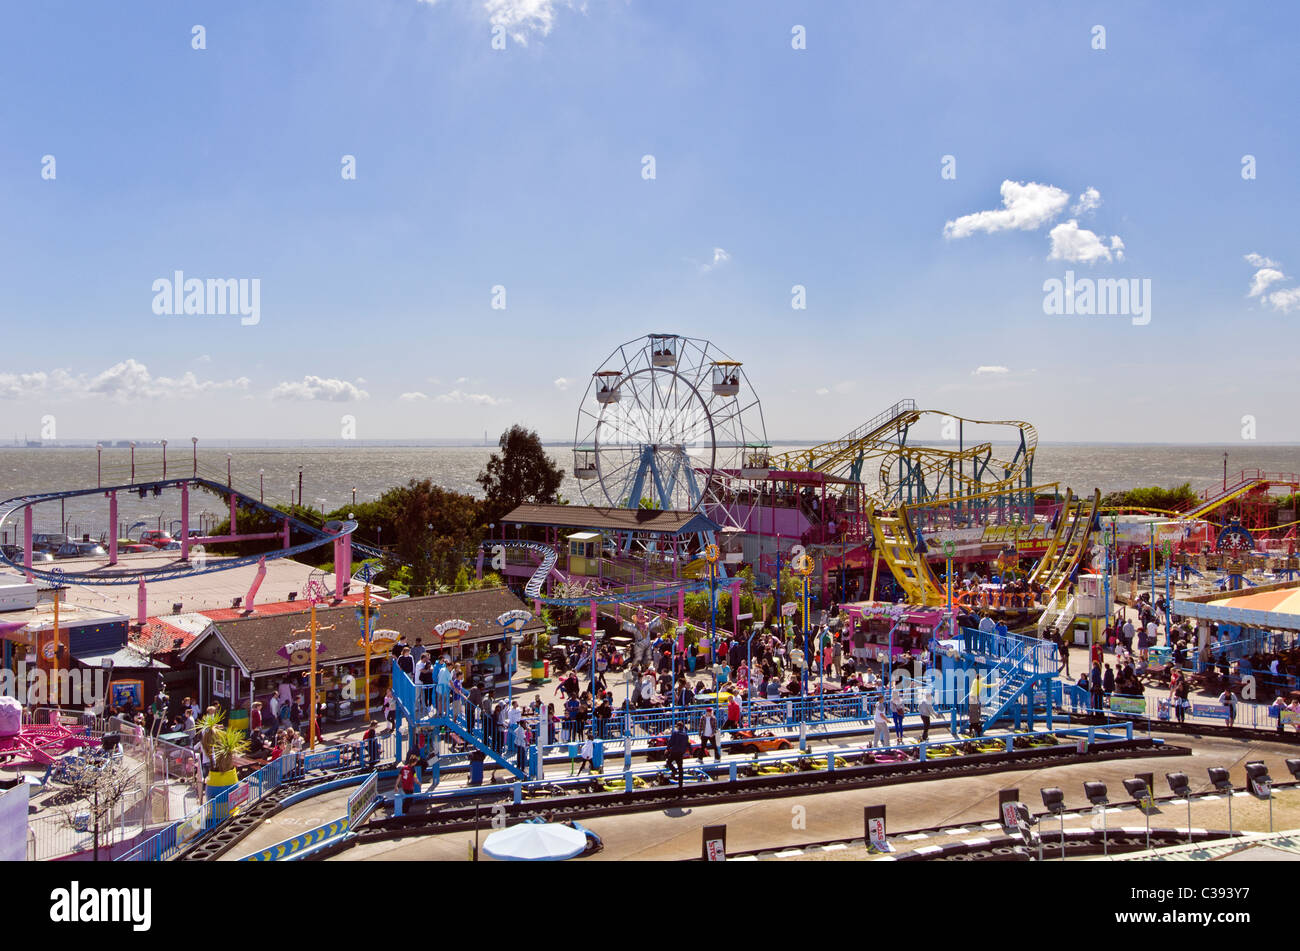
(669, 422)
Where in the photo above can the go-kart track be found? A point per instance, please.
(938, 809)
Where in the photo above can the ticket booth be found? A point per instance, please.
(584, 553)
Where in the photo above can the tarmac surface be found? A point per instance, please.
(967, 806)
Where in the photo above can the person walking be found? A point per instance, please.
(586, 754)
(1095, 693)
(975, 712)
(1063, 650)
(370, 745)
(1180, 700)
(881, 737)
(405, 785)
(709, 735)
(521, 746)
(926, 707)
(897, 706)
(678, 744)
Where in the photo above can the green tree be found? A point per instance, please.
(521, 472)
(437, 530)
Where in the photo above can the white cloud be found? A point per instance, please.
(1117, 247)
(1090, 200)
(562, 383)
(123, 382)
(1263, 278)
(477, 399)
(1025, 206)
(1075, 244)
(413, 397)
(823, 391)
(989, 371)
(720, 257)
(1269, 273)
(522, 18)
(319, 388)
(1285, 301)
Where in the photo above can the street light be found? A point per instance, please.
(133, 463)
(99, 464)
(194, 442)
(164, 450)
(261, 485)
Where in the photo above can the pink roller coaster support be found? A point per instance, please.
(112, 528)
(342, 563)
(251, 597)
(233, 529)
(141, 603)
(681, 606)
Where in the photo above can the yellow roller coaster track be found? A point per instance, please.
(896, 544)
(936, 473)
(1068, 545)
(896, 540)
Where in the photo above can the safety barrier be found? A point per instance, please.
(252, 789)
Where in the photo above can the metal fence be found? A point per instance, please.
(252, 788)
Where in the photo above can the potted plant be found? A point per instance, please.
(222, 745)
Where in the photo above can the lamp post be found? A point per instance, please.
(949, 549)
(749, 666)
(365, 607)
(300, 485)
(194, 443)
(99, 464)
(228, 479)
(164, 450)
(261, 485)
(133, 463)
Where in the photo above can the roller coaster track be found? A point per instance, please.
(549, 556)
(913, 474)
(179, 569)
(1068, 544)
(896, 542)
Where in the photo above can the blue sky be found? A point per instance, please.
(522, 167)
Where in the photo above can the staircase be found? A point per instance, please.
(1020, 664)
(412, 705)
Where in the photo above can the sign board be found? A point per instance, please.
(517, 617)
(1216, 711)
(1133, 705)
(323, 758)
(788, 609)
(1010, 821)
(451, 630)
(1287, 717)
(876, 841)
(189, 827)
(363, 800)
(239, 795)
(1260, 788)
(714, 848)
